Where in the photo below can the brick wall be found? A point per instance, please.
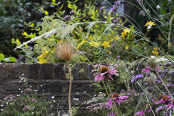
(50, 78)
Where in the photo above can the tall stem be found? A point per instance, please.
(70, 86)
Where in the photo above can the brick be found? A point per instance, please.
(91, 74)
(47, 71)
(75, 71)
(52, 88)
(60, 71)
(23, 69)
(35, 71)
(84, 74)
(10, 71)
(2, 76)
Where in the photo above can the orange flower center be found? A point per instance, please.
(173, 101)
(104, 69)
(116, 95)
(165, 97)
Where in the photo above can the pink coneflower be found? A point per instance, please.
(170, 106)
(163, 100)
(118, 99)
(146, 70)
(105, 72)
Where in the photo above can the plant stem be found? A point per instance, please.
(70, 86)
(165, 86)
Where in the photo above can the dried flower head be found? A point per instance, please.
(65, 51)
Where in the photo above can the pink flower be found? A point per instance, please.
(142, 112)
(118, 99)
(112, 114)
(105, 72)
(146, 70)
(163, 100)
(170, 106)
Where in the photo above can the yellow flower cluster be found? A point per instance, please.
(42, 57)
(155, 52)
(125, 32)
(94, 44)
(106, 44)
(81, 43)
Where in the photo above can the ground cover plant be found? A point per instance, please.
(138, 77)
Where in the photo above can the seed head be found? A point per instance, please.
(65, 51)
(116, 95)
(104, 69)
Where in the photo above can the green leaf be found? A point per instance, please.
(12, 59)
(1, 57)
(6, 59)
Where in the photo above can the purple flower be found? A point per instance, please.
(142, 13)
(71, 12)
(170, 106)
(118, 99)
(112, 114)
(140, 1)
(105, 72)
(67, 17)
(168, 64)
(9, 98)
(101, 9)
(158, 82)
(114, 8)
(146, 70)
(135, 78)
(116, 20)
(151, 89)
(141, 112)
(159, 109)
(117, 3)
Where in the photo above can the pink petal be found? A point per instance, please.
(110, 77)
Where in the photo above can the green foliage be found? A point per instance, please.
(9, 59)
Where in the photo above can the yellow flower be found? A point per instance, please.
(42, 61)
(95, 44)
(155, 52)
(126, 30)
(116, 37)
(126, 47)
(81, 43)
(155, 48)
(90, 38)
(123, 34)
(149, 23)
(106, 44)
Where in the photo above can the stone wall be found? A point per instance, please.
(50, 78)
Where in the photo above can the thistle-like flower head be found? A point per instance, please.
(65, 51)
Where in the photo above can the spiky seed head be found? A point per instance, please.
(165, 97)
(104, 69)
(116, 95)
(65, 51)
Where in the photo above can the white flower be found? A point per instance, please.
(149, 27)
(157, 6)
